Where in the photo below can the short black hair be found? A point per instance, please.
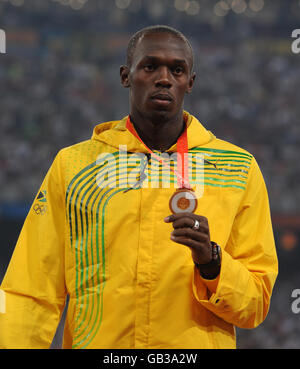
(154, 29)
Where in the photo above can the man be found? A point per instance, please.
(144, 266)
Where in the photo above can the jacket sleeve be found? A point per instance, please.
(241, 294)
(33, 290)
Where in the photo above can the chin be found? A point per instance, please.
(160, 116)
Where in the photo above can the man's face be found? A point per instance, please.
(159, 76)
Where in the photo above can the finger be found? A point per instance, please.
(187, 242)
(172, 217)
(189, 223)
(190, 233)
(184, 221)
(199, 251)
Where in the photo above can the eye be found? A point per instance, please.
(178, 70)
(149, 67)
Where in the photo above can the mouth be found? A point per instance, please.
(162, 99)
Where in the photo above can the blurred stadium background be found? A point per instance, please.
(60, 77)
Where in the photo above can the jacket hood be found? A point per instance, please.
(115, 133)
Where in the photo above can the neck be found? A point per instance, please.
(159, 135)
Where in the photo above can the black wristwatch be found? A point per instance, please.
(215, 260)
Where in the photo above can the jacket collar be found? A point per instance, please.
(114, 133)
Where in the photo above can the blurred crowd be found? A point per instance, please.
(60, 77)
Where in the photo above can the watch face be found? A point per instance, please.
(183, 201)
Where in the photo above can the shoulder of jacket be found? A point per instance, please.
(75, 147)
(223, 145)
(224, 148)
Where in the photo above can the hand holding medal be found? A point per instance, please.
(192, 231)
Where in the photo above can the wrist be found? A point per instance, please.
(211, 269)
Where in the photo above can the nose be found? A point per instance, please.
(163, 77)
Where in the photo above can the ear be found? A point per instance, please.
(124, 74)
(191, 83)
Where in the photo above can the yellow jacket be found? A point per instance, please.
(109, 249)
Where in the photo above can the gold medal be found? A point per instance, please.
(183, 201)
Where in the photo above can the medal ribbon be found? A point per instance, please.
(182, 149)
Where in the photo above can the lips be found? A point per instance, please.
(162, 98)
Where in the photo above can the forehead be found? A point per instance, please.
(162, 45)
